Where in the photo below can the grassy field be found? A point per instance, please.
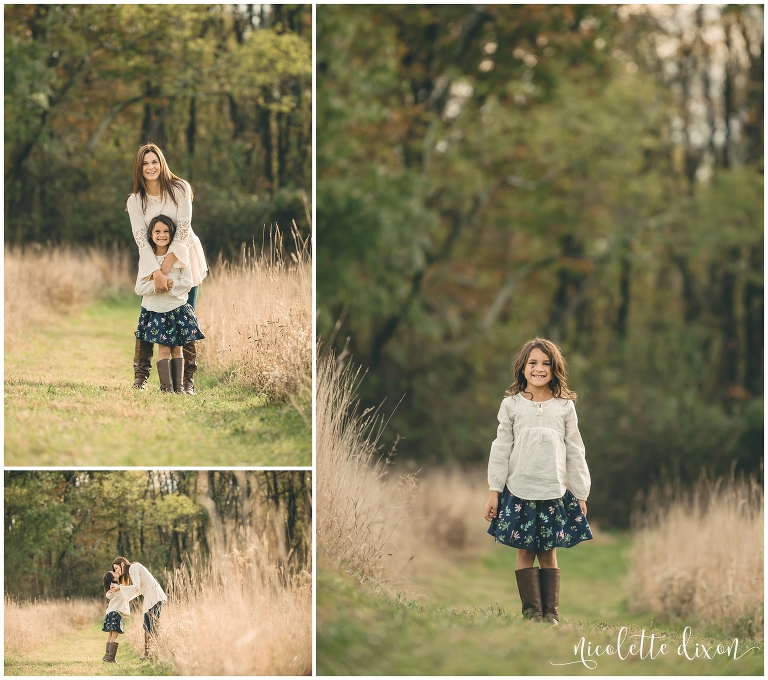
(464, 619)
(68, 401)
(79, 653)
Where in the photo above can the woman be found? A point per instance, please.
(156, 191)
(134, 579)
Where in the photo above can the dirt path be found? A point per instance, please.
(68, 401)
(80, 653)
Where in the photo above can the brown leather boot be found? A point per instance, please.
(146, 644)
(106, 656)
(530, 592)
(164, 373)
(550, 595)
(142, 363)
(189, 352)
(177, 375)
(111, 652)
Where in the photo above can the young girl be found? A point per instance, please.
(538, 476)
(113, 621)
(166, 318)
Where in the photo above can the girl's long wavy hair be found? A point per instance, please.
(559, 382)
(125, 579)
(108, 581)
(169, 182)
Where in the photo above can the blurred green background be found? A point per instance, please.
(590, 173)
(224, 90)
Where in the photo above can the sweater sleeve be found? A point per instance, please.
(501, 450)
(182, 241)
(145, 287)
(185, 281)
(147, 261)
(182, 281)
(577, 472)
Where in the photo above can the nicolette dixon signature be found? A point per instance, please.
(645, 646)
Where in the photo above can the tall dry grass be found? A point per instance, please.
(375, 520)
(257, 318)
(40, 281)
(242, 613)
(359, 507)
(31, 625)
(698, 554)
(256, 313)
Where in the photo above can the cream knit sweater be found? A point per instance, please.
(185, 246)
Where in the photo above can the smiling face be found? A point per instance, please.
(161, 235)
(538, 368)
(151, 166)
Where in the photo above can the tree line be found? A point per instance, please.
(224, 90)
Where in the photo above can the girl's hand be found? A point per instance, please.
(583, 505)
(114, 588)
(161, 282)
(492, 506)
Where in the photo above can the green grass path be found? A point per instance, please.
(80, 652)
(466, 621)
(69, 401)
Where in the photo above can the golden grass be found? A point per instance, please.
(372, 516)
(699, 554)
(257, 318)
(29, 626)
(245, 613)
(358, 507)
(40, 281)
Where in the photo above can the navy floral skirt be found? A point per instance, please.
(175, 328)
(539, 525)
(113, 621)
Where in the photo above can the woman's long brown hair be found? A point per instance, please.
(125, 579)
(168, 181)
(558, 383)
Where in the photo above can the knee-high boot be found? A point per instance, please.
(111, 652)
(189, 352)
(550, 595)
(530, 592)
(177, 375)
(142, 363)
(164, 373)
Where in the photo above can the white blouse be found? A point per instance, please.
(117, 603)
(185, 246)
(174, 298)
(143, 584)
(538, 452)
